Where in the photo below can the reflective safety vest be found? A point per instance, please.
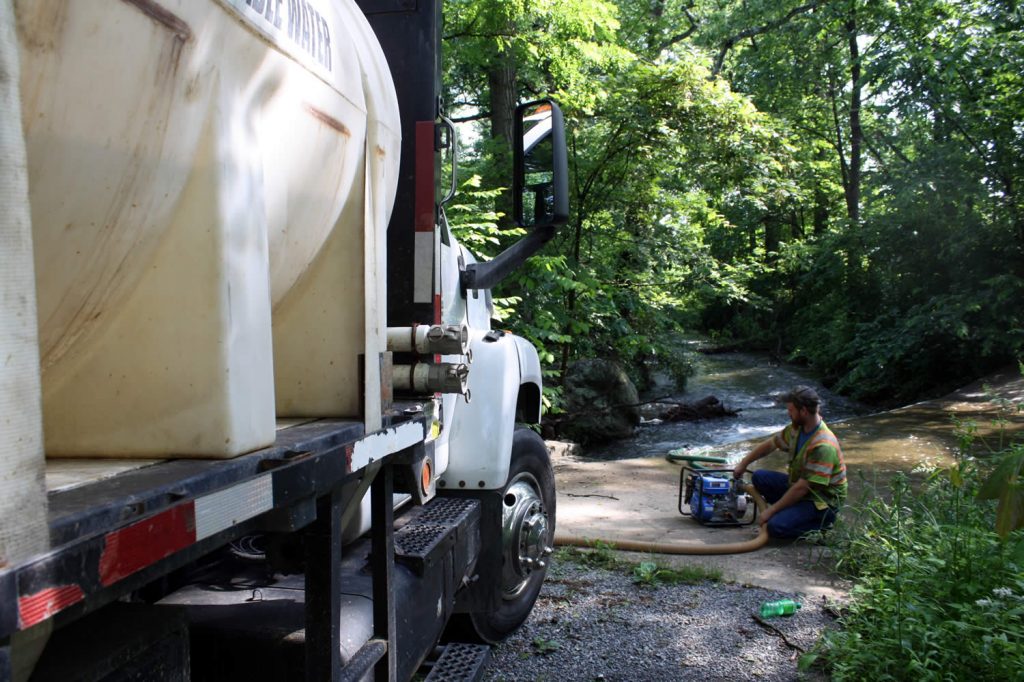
(820, 461)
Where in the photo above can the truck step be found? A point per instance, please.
(433, 528)
(460, 663)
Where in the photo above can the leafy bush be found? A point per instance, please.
(938, 594)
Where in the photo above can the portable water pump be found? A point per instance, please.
(714, 498)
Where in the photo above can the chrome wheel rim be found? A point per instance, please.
(524, 534)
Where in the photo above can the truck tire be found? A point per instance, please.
(527, 538)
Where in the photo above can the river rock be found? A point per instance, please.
(602, 404)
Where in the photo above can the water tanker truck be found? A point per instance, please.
(256, 423)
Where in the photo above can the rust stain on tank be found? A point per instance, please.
(41, 24)
(169, 20)
(328, 120)
(165, 17)
(124, 207)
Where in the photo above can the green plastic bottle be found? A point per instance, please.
(782, 607)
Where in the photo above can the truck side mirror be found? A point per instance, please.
(540, 188)
(541, 183)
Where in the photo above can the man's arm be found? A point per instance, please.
(762, 450)
(796, 492)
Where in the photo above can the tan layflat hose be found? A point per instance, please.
(678, 547)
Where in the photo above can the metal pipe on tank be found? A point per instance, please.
(452, 339)
(442, 377)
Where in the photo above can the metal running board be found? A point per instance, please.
(363, 661)
(460, 663)
(433, 528)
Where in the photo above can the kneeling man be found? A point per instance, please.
(809, 496)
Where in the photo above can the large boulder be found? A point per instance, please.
(602, 404)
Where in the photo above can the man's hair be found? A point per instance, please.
(803, 396)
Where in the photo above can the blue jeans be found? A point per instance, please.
(794, 521)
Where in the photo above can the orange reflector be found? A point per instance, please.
(426, 475)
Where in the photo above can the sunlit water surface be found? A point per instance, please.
(747, 382)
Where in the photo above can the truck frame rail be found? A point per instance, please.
(114, 536)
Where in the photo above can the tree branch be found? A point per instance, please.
(471, 34)
(780, 633)
(681, 36)
(731, 41)
(478, 117)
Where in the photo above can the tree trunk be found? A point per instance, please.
(820, 210)
(820, 200)
(502, 80)
(856, 132)
(772, 239)
(570, 306)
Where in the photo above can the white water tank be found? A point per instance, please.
(210, 183)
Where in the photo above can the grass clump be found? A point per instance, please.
(598, 554)
(653, 573)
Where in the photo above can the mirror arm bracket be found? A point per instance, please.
(486, 275)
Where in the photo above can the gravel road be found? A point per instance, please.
(597, 624)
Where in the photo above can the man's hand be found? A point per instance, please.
(757, 453)
(767, 514)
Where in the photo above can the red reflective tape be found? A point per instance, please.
(423, 217)
(437, 308)
(142, 544)
(35, 608)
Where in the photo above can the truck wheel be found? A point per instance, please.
(527, 537)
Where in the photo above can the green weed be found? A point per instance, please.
(545, 647)
(602, 555)
(652, 573)
(598, 554)
(939, 594)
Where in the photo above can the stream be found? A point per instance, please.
(748, 382)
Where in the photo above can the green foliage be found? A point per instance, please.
(474, 222)
(545, 647)
(651, 573)
(1006, 485)
(657, 149)
(599, 554)
(713, 167)
(921, 293)
(1006, 482)
(936, 589)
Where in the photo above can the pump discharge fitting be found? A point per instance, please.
(422, 378)
(451, 339)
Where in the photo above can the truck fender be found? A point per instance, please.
(480, 440)
(530, 382)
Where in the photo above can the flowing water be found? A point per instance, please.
(747, 382)
(876, 445)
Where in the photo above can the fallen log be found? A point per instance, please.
(705, 408)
